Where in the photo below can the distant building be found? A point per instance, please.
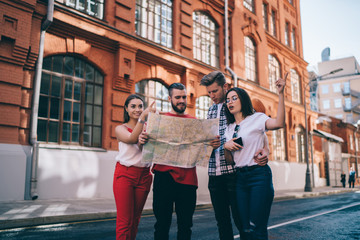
(335, 149)
(339, 93)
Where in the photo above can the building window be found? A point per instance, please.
(278, 145)
(313, 101)
(249, 4)
(338, 103)
(202, 106)
(266, 16)
(300, 144)
(274, 72)
(93, 8)
(70, 107)
(206, 39)
(151, 91)
(348, 103)
(346, 87)
(325, 89)
(336, 87)
(291, 2)
(250, 59)
(339, 116)
(349, 118)
(293, 39)
(273, 23)
(326, 104)
(351, 142)
(287, 33)
(153, 20)
(295, 86)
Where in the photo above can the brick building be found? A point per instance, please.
(97, 52)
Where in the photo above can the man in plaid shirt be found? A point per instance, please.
(222, 174)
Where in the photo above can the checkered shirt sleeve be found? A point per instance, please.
(225, 168)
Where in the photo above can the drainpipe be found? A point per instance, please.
(227, 67)
(35, 106)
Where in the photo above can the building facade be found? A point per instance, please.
(339, 93)
(98, 52)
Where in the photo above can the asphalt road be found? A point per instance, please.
(329, 217)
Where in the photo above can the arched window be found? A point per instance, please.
(274, 72)
(278, 145)
(205, 39)
(151, 91)
(153, 20)
(300, 144)
(250, 59)
(70, 107)
(295, 86)
(202, 106)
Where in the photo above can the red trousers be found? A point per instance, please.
(131, 187)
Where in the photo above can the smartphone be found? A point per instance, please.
(239, 141)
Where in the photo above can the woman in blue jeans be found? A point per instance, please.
(254, 188)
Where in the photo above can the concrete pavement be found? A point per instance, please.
(39, 212)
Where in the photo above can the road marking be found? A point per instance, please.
(305, 218)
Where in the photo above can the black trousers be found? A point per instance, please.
(223, 198)
(351, 183)
(166, 194)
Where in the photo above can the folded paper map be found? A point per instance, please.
(181, 142)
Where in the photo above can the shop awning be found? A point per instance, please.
(328, 136)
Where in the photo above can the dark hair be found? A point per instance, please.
(215, 76)
(127, 101)
(178, 86)
(246, 105)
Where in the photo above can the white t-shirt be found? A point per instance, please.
(251, 130)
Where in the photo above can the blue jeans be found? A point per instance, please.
(255, 193)
(223, 198)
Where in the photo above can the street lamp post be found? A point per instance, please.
(357, 125)
(308, 187)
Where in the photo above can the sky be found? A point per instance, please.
(330, 23)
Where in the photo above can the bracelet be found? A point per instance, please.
(141, 121)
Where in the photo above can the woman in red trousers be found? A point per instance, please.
(132, 178)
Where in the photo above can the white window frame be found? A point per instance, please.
(338, 103)
(326, 104)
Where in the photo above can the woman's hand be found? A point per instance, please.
(280, 84)
(145, 113)
(143, 138)
(232, 146)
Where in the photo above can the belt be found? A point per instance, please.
(247, 168)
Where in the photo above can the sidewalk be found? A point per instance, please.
(29, 213)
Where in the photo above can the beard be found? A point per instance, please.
(178, 110)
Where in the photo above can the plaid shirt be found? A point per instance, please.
(225, 168)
